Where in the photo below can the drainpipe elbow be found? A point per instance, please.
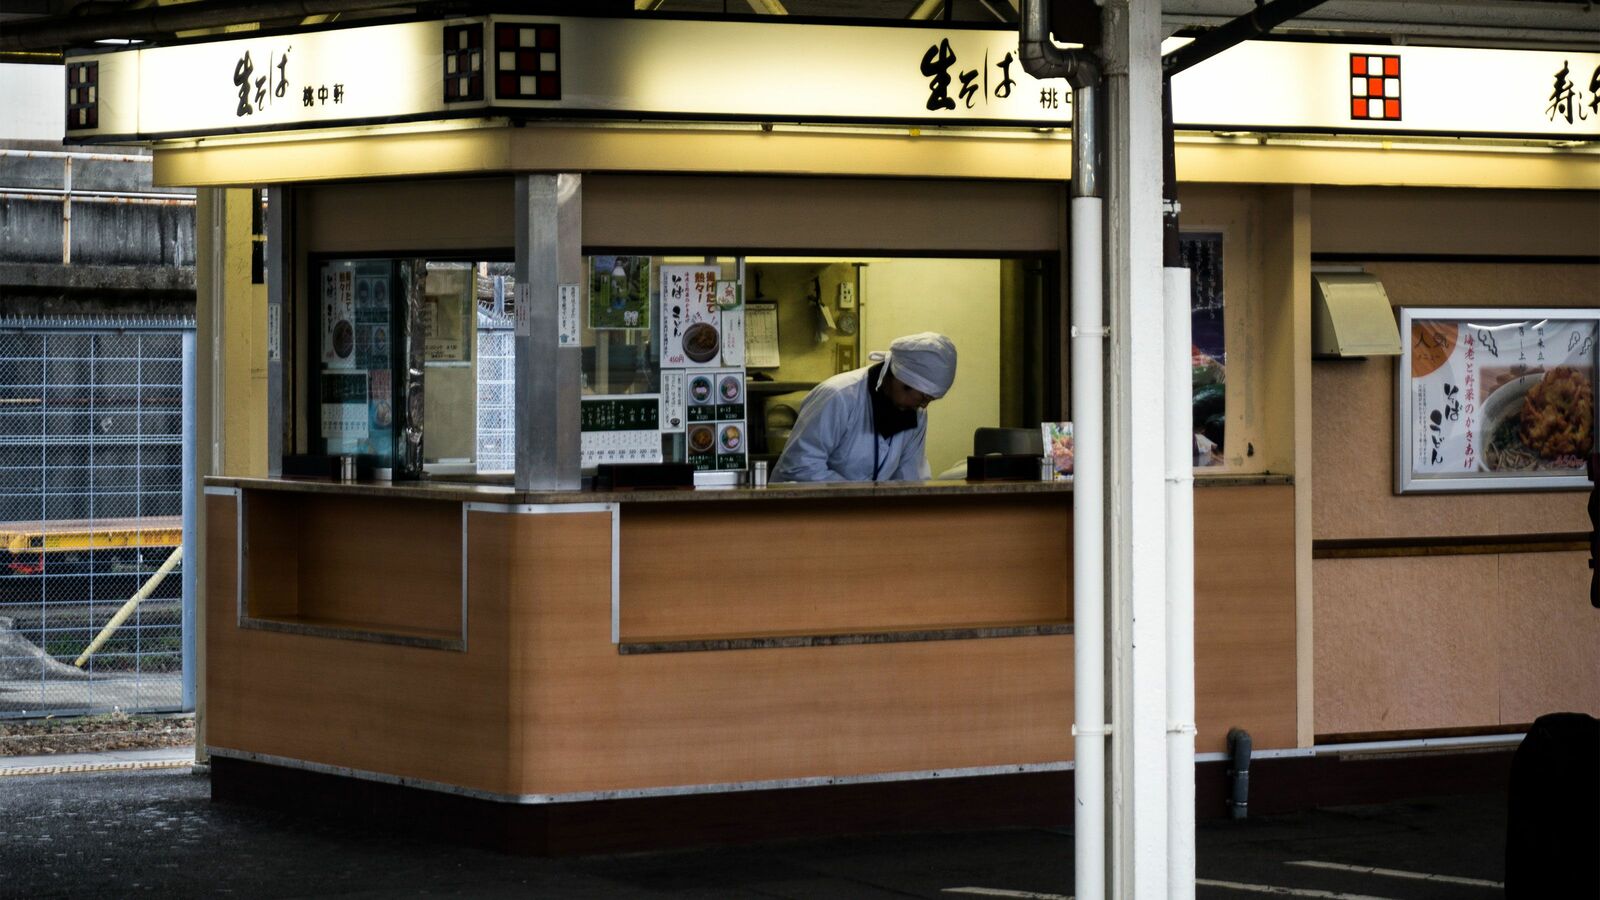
(1043, 59)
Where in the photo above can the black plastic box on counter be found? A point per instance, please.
(1003, 467)
(323, 465)
(625, 476)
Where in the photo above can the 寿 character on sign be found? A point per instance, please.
(1563, 98)
(936, 65)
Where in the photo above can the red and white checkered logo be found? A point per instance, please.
(1374, 87)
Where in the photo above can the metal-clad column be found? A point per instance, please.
(1136, 496)
(280, 266)
(549, 236)
(190, 488)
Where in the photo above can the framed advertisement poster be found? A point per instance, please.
(1495, 399)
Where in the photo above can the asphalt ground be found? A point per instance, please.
(155, 832)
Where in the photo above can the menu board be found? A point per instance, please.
(355, 387)
(1496, 399)
(715, 436)
(620, 428)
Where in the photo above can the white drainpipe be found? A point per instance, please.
(1088, 551)
(1180, 589)
(1042, 59)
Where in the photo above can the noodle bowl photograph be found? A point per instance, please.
(1538, 422)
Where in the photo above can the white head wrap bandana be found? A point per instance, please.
(924, 362)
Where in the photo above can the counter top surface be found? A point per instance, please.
(464, 492)
(494, 493)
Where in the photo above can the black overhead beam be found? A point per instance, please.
(157, 22)
(1255, 23)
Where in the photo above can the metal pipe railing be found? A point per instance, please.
(67, 194)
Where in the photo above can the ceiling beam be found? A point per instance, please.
(1483, 23)
(158, 22)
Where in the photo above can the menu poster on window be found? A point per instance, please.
(619, 292)
(1202, 256)
(338, 318)
(715, 409)
(1491, 398)
(730, 302)
(372, 311)
(691, 334)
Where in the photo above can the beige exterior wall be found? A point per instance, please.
(1462, 640)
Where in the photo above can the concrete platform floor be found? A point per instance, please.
(155, 832)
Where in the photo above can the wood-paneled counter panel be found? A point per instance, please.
(539, 703)
(810, 567)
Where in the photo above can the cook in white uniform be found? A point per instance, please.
(871, 424)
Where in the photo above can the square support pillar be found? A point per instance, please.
(549, 254)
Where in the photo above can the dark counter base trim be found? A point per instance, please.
(348, 633)
(1033, 799)
(635, 648)
(1371, 548)
(641, 793)
(1019, 800)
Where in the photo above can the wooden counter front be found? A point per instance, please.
(538, 700)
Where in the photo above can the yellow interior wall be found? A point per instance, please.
(961, 299)
(240, 433)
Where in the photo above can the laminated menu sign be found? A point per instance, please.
(715, 410)
(1495, 399)
(620, 428)
(691, 334)
(344, 405)
(672, 404)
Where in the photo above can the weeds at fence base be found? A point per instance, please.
(93, 734)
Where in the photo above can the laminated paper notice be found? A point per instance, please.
(731, 305)
(761, 335)
(672, 412)
(274, 332)
(567, 314)
(524, 311)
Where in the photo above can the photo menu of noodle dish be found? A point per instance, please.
(1496, 399)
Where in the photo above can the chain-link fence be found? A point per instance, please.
(92, 505)
(497, 395)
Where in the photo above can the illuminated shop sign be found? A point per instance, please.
(762, 71)
(1298, 86)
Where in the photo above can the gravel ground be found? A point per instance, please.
(93, 734)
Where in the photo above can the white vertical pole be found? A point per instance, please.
(1136, 493)
(1180, 590)
(1088, 542)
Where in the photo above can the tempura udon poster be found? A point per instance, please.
(1500, 398)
